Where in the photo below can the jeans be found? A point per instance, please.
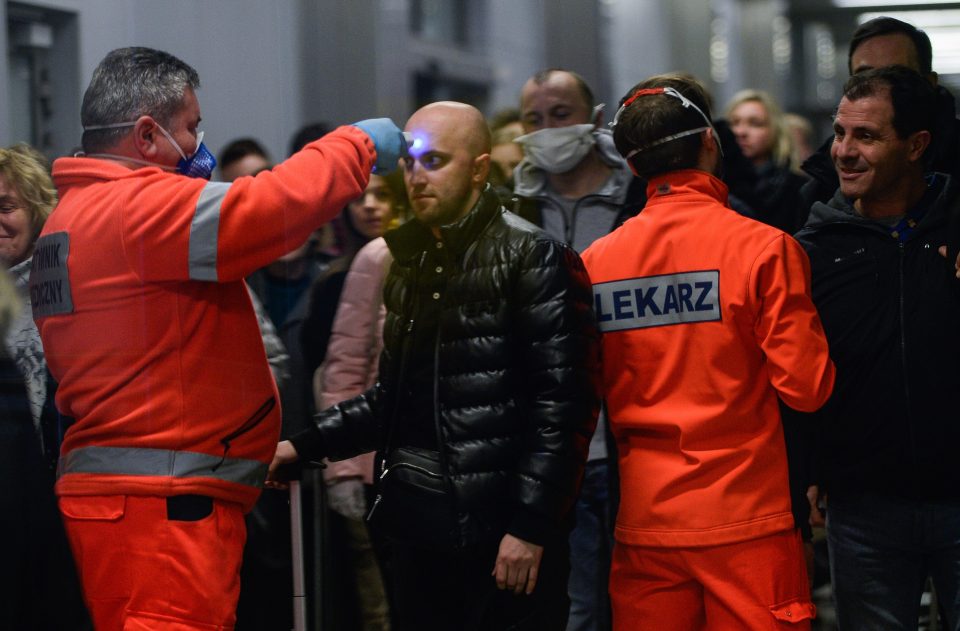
(591, 543)
(881, 551)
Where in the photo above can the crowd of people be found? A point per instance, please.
(559, 372)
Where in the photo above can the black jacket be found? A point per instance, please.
(516, 365)
(772, 196)
(38, 581)
(891, 312)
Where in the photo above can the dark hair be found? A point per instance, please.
(652, 117)
(239, 149)
(889, 26)
(130, 83)
(307, 134)
(544, 75)
(913, 99)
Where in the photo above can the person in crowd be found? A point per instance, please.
(38, 581)
(762, 137)
(246, 156)
(887, 41)
(695, 302)
(889, 304)
(800, 130)
(505, 155)
(345, 311)
(265, 592)
(574, 185)
(506, 119)
(138, 293)
(28, 196)
(283, 289)
(364, 219)
(485, 401)
(243, 156)
(307, 134)
(571, 181)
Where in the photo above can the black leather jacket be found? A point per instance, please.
(516, 371)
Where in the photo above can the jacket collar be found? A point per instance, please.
(414, 237)
(82, 171)
(685, 182)
(840, 209)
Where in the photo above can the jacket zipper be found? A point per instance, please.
(401, 373)
(903, 359)
(444, 470)
(572, 230)
(407, 465)
(255, 419)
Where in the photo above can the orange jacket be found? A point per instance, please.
(147, 324)
(706, 318)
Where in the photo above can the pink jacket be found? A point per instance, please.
(355, 344)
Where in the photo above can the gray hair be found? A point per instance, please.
(130, 83)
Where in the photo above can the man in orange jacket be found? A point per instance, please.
(139, 297)
(707, 320)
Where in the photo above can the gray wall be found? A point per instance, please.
(650, 37)
(269, 66)
(574, 41)
(242, 49)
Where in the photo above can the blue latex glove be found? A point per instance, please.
(387, 139)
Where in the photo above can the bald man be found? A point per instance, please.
(486, 400)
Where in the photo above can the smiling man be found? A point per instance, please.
(486, 399)
(890, 304)
(887, 41)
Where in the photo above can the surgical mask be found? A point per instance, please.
(200, 164)
(558, 149)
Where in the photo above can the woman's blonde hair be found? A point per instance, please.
(24, 169)
(782, 147)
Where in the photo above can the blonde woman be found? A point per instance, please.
(27, 197)
(40, 588)
(762, 137)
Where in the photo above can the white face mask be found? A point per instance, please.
(558, 149)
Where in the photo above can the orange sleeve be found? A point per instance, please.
(788, 328)
(175, 229)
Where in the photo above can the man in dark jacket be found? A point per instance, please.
(574, 184)
(486, 400)
(890, 304)
(886, 41)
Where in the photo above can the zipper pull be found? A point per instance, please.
(376, 502)
(410, 326)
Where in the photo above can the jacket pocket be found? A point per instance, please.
(412, 504)
(94, 508)
(100, 544)
(794, 611)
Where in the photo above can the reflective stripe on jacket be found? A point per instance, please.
(148, 326)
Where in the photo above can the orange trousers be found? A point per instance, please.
(142, 571)
(754, 585)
